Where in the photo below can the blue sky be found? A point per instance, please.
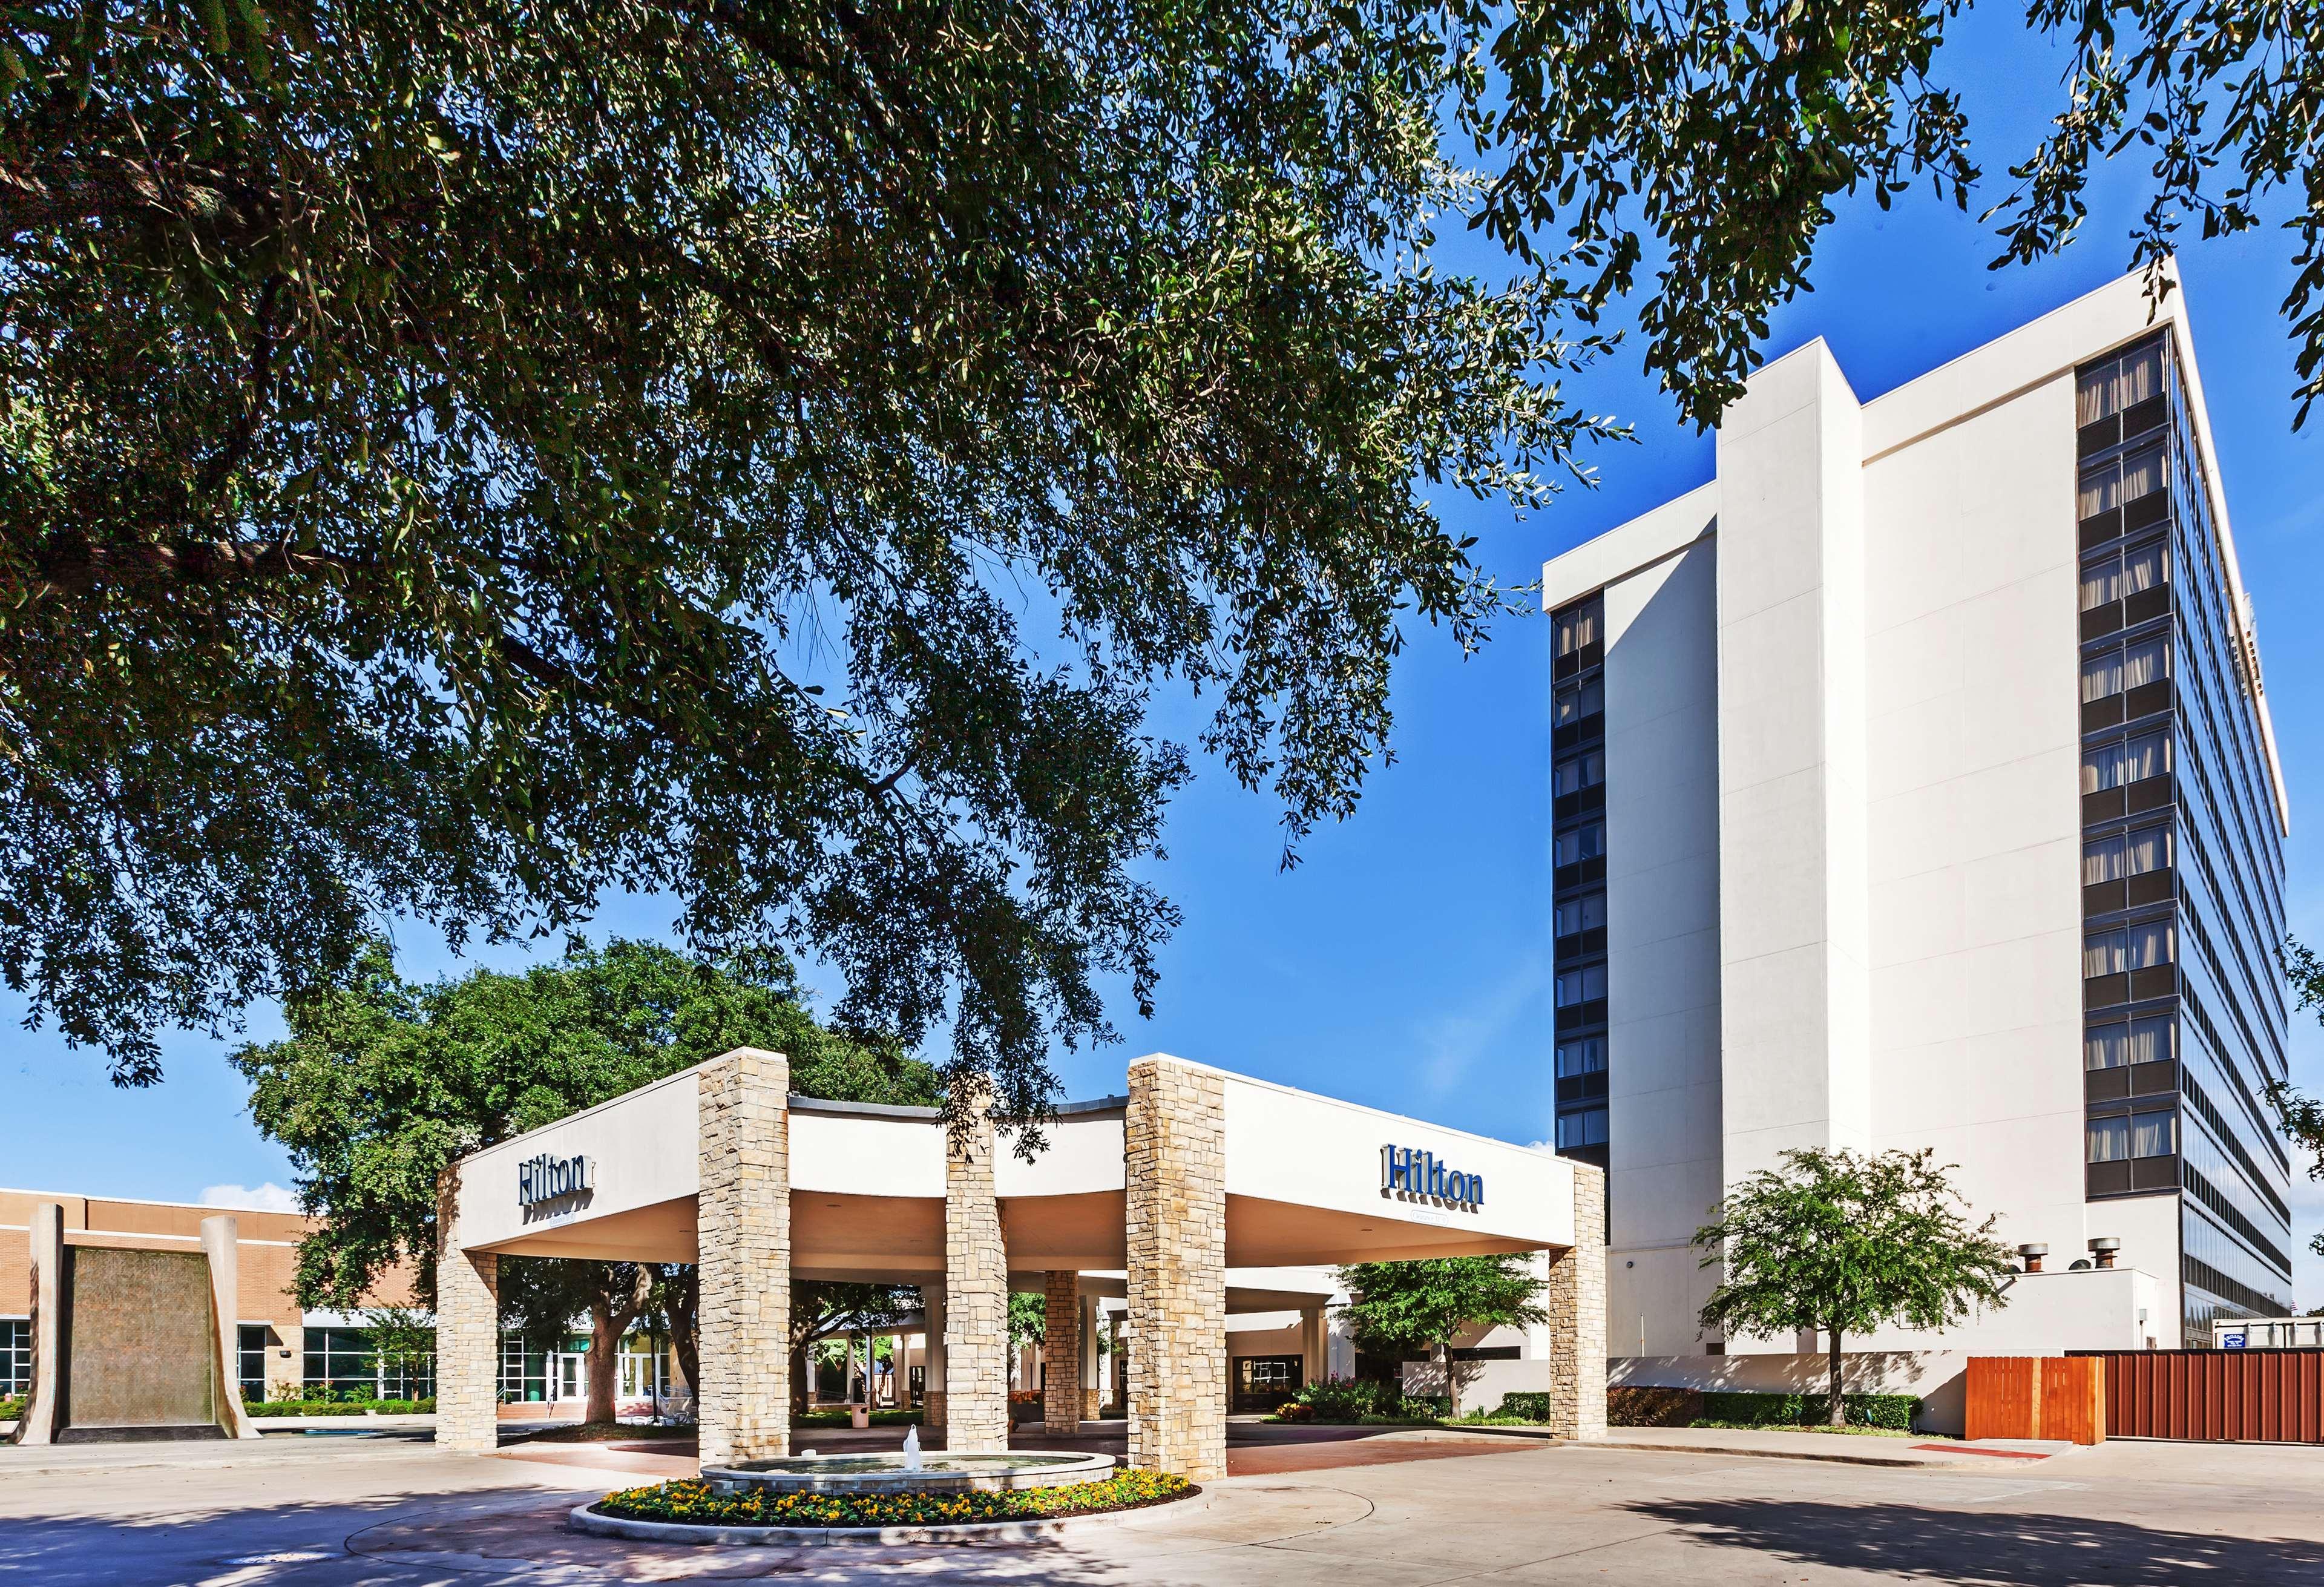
(1406, 961)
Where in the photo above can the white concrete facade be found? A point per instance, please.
(1843, 817)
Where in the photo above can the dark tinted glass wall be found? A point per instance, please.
(2182, 864)
(1578, 869)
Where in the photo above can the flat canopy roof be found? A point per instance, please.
(1303, 1188)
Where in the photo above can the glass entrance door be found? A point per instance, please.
(1263, 1382)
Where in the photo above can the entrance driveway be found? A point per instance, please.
(305, 1512)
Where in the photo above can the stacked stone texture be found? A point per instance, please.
(932, 1359)
(1576, 1304)
(1174, 1141)
(467, 1334)
(976, 1293)
(1062, 1407)
(743, 1221)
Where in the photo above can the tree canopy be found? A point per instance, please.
(1418, 1305)
(1839, 1242)
(380, 1085)
(458, 459)
(2301, 1114)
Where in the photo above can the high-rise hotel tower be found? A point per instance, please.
(1914, 787)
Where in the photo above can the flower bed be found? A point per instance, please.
(694, 1504)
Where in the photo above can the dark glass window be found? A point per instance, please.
(2127, 947)
(2126, 854)
(1576, 772)
(2119, 481)
(1582, 986)
(15, 1356)
(2133, 761)
(2154, 1134)
(1586, 913)
(1585, 1056)
(1577, 700)
(2128, 667)
(1586, 842)
(1587, 1129)
(2105, 388)
(2133, 1041)
(2119, 575)
(1577, 628)
(250, 1359)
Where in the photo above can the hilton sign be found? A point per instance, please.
(548, 1178)
(1418, 1175)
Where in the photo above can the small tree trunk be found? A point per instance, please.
(685, 1299)
(1838, 1418)
(604, 1358)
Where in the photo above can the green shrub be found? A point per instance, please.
(695, 1503)
(339, 1408)
(1642, 1407)
(1893, 1412)
(10, 1409)
(838, 1416)
(1358, 1400)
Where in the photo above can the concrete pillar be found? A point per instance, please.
(1576, 1304)
(222, 1248)
(1061, 1355)
(1122, 1360)
(932, 1352)
(45, 1271)
(976, 1292)
(743, 1217)
(467, 1334)
(1314, 1345)
(1175, 1143)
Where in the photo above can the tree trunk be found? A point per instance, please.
(683, 1294)
(1451, 1380)
(604, 1358)
(1838, 1416)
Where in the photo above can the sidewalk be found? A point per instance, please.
(1994, 1455)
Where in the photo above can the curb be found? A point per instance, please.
(1769, 1454)
(585, 1520)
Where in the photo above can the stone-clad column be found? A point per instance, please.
(1576, 1304)
(742, 1220)
(1092, 1396)
(1061, 1355)
(932, 1356)
(38, 1422)
(1174, 1141)
(976, 1293)
(222, 1249)
(467, 1334)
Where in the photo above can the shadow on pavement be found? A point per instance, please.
(1910, 1543)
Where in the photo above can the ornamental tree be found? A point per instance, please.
(1839, 1242)
(2301, 1115)
(1407, 1306)
(379, 1086)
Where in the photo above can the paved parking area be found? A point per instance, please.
(309, 1512)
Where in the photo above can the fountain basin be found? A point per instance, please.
(886, 1473)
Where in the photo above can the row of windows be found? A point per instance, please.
(1584, 913)
(343, 1361)
(2117, 576)
(2119, 481)
(2126, 854)
(1585, 841)
(2150, 1134)
(2127, 667)
(2132, 760)
(1578, 700)
(15, 1357)
(2132, 1041)
(2128, 947)
(2105, 388)
(1576, 772)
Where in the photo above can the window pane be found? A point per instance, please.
(2102, 953)
(2137, 376)
(1594, 697)
(2101, 862)
(2104, 1047)
(2102, 583)
(2143, 568)
(2150, 1039)
(2143, 758)
(2153, 1135)
(1594, 981)
(2142, 663)
(2147, 849)
(2107, 1140)
(2148, 942)
(1594, 911)
(2098, 491)
(2101, 677)
(1586, 1056)
(1569, 917)
(2142, 472)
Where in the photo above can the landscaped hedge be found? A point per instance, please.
(1891, 1411)
(1357, 1400)
(1651, 1408)
(694, 1503)
(10, 1409)
(840, 1416)
(339, 1408)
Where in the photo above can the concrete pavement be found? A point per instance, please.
(310, 1512)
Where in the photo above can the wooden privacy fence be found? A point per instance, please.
(2036, 1396)
(2254, 1396)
